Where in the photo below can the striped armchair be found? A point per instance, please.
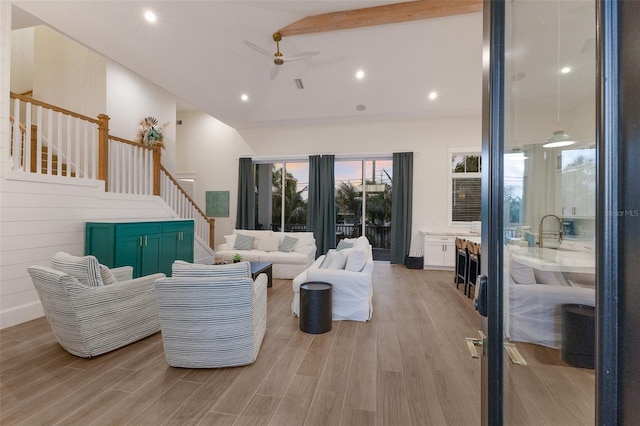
(212, 316)
(89, 321)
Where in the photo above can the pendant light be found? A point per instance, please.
(559, 137)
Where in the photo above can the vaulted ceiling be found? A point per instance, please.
(196, 50)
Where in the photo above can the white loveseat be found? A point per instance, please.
(535, 298)
(350, 272)
(266, 246)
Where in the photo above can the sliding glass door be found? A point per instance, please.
(539, 230)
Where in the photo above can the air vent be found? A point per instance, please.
(299, 84)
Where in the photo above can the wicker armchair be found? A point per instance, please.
(89, 321)
(212, 321)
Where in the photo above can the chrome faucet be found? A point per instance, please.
(541, 233)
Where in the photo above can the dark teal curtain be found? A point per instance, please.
(321, 209)
(401, 206)
(245, 216)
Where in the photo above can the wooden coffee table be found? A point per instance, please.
(262, 268)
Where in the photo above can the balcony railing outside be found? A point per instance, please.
(378, 236)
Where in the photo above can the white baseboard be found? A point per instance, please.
(19, 314)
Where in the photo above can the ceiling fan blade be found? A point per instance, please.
(257, 48)
(298, 56)
(274, 72)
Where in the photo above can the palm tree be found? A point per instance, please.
(295, 207)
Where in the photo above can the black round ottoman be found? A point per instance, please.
(315, 307)
(578, 335)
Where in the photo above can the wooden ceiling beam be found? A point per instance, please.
(379, 15)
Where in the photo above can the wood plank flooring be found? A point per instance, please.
(409, 365)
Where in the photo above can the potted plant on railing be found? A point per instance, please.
(150, 133)
(237, 258)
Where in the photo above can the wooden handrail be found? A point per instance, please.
(172, 179)
(22, 127)
(211, 220)
(54, 108)
(121, 140)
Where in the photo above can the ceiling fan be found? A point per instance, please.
(278, 58)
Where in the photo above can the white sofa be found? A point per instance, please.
(535, 299)
(350, 272)
(266, 248)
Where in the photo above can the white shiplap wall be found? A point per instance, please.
(42, 215)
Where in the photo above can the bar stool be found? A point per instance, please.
(462, 263)
(474, 266)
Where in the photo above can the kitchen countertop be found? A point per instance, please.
(546, 259)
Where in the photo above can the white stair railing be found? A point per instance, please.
(173, 194)
(70, 140)
(130, 167)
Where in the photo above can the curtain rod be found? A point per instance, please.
(342, 156)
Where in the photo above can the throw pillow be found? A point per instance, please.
(181, 268)
(107, 276)
(287, 244)
(361, 241)
(357, 259)
(85, 269)
(327, 259)
(343, 244)
(521, 274)
(243, 242)
(230, 241)
(269, 244)
(340, 259)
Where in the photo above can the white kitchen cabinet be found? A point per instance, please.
(439, 251)
(576, 195)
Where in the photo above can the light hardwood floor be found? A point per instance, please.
(409, 365)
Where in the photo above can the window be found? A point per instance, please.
(281, 204)
(466, 186)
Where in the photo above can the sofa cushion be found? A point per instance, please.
(269, 244)
(288, 244)
(280, 257)
(243, 242)
(107, 276)
(232, 270)
(85, 269)
(357, 259)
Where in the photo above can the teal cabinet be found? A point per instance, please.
(177, 244)
(149, 247)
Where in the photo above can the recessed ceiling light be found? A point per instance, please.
(433, 95)
(244, 97)
(360, 107)
(360, 74)
(150, 16)
(565, 70)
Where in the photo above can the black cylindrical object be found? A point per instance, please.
(578, 335)
(315, 307)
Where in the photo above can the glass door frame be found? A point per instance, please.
(615, 400)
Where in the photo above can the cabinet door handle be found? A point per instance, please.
(145, 240)
(140, 240)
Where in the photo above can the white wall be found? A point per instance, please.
(67, 74)
(22, 60)
(130, 98)
(210, 149)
